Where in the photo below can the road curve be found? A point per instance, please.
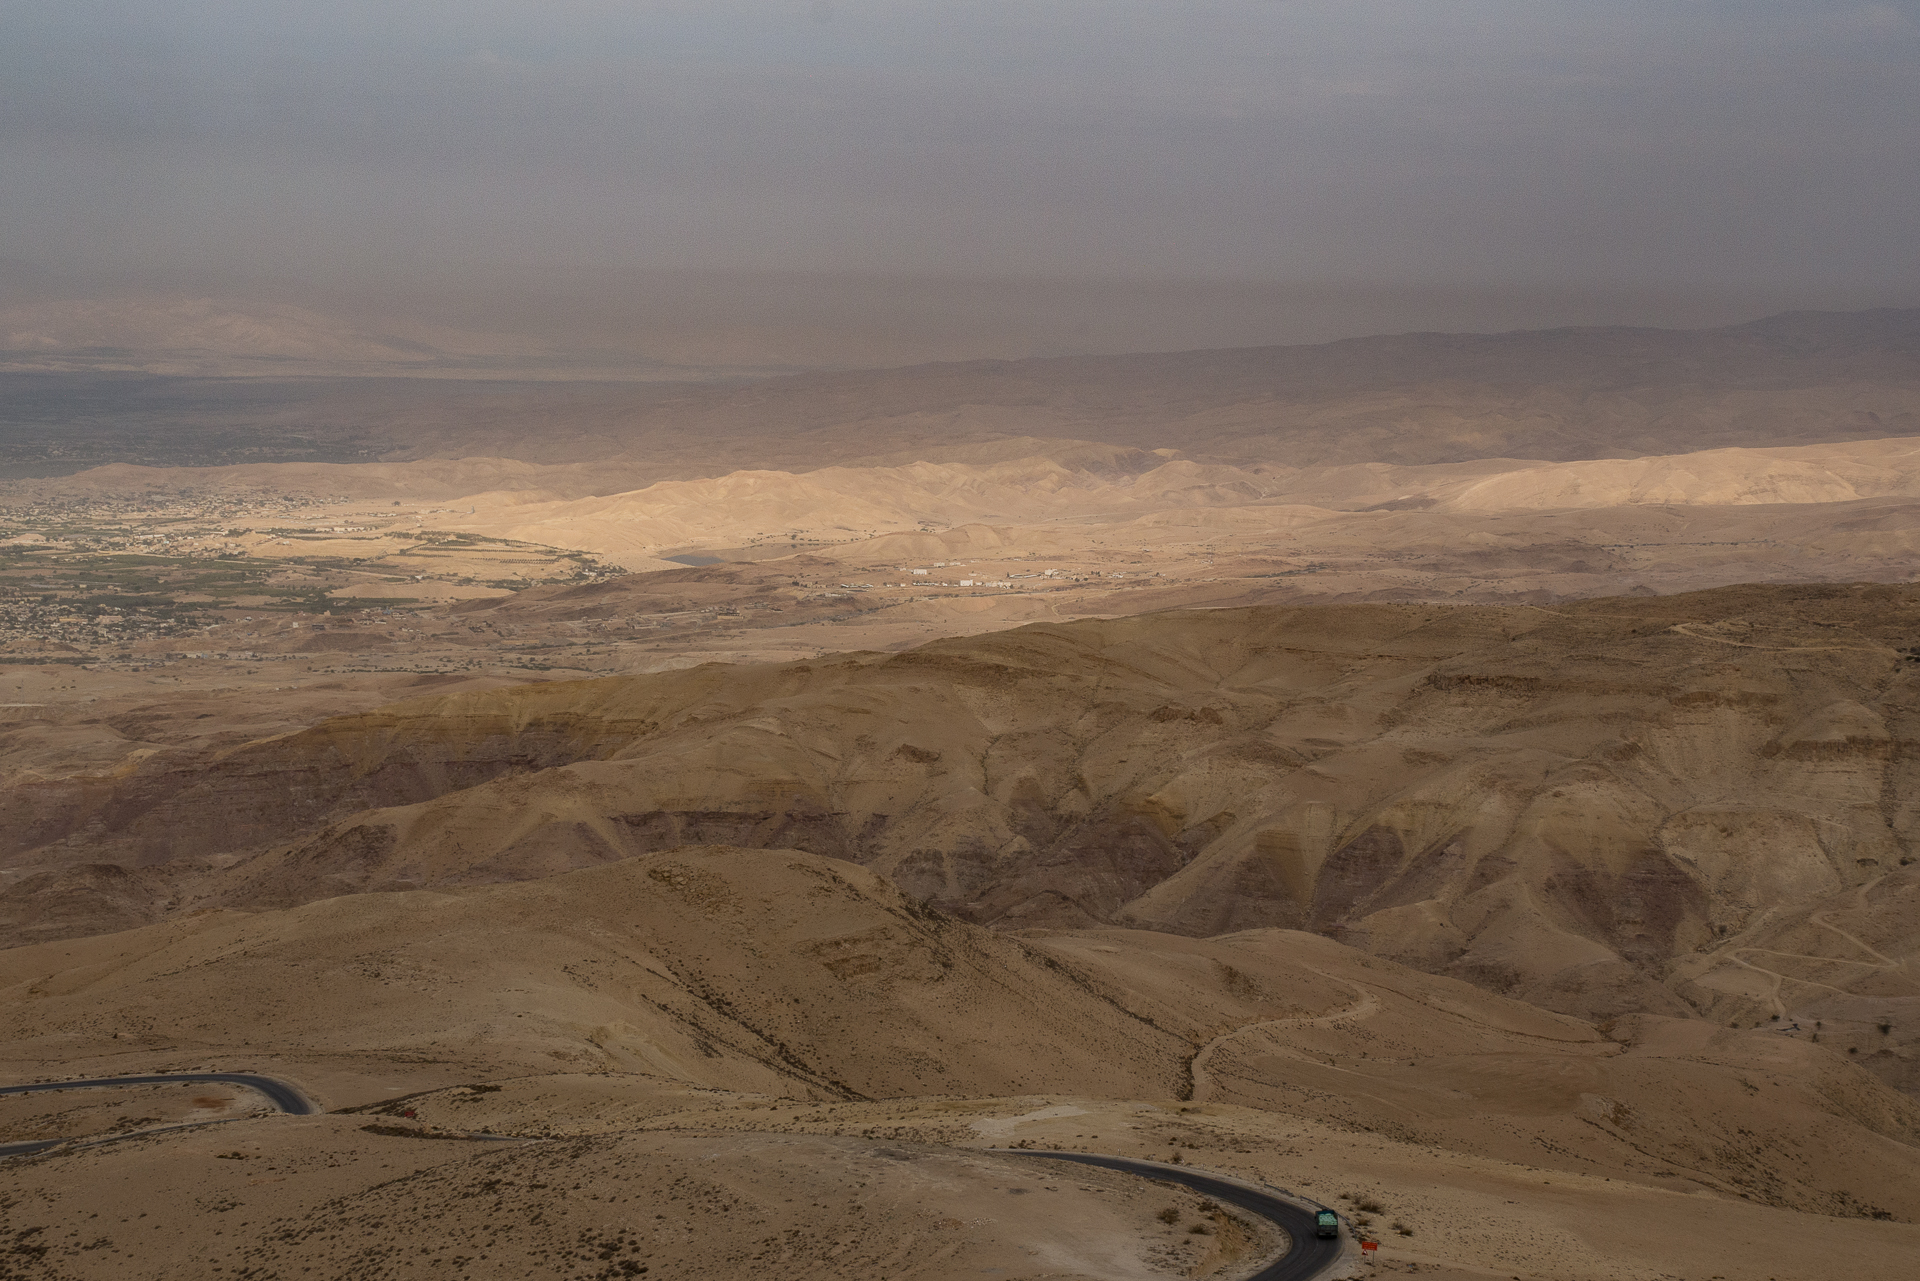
(284, 1097)
(1309, 1257)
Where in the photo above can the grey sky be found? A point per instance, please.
(1765, 147)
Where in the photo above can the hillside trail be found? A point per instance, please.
(1859, 905)
(1779, 1007)
(1880, 961)
(1365, 1006)
(1685, 629)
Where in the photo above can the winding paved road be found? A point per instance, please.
(1309, 1257)
(283, 1096)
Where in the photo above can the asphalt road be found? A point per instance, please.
(283, 1096)
(1307, 1258)
(1310, 1256)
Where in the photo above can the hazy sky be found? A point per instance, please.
(1763, 147)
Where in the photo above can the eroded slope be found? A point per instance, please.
(807, 982)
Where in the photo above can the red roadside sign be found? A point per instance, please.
(1369, 1245)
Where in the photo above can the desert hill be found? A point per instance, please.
(200, 335)
(782, 973)
(1496, 529)
(1603, 807)
(1041, 505)
(1533, 466)
(1414, 398)
(806, 980)
(1557, 395)
(1796, 378)
(206, 339)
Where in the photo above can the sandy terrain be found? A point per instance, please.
(743, 510)
(841, 1189)
(61, 1114)
(1494, 1134)
(324, 1197)
(750, 970)
(1608, 807)
(1464, 778)
(1063, 496)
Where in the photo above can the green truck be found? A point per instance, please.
(1326, 1224)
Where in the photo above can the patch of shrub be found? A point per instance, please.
(408, 1132)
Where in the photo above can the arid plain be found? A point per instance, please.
(1468, 780)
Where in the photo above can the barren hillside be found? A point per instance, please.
(1601, 808)
(805, 980)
